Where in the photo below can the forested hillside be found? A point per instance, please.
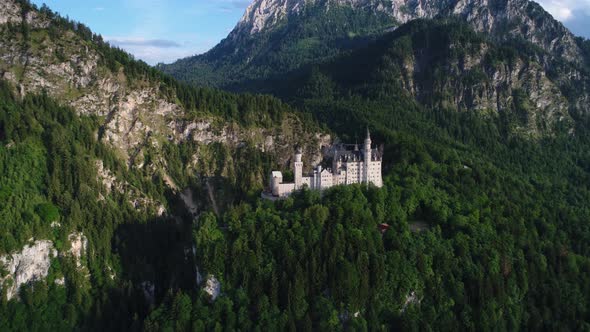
(130, 201)
(310, 37)
(444, 65)
(486, 192)
(488, 231)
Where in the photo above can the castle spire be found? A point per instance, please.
(368, 139)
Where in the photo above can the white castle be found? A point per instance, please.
(349, 166)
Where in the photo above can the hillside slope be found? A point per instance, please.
(105, 163)
(130, 202)
(444, 64)
(276, 36)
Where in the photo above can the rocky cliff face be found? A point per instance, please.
(11, 12)
(32, 263)
(504, 18)
(471, 82)
(135, 115)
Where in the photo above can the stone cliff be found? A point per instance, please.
(135, 116)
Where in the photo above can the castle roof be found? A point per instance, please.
(345, 155)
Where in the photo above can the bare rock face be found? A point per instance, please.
(30, 264)
(212, 287)
(137, 199)
(507, 18)
(495, 93)
(135, 115)
(266, 13)
(79, 246)
(33, 261)
(11, 12)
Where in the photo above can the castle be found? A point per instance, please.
(349, 166)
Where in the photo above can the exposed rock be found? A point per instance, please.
(78, 247)
(30, 264)
(61, 281)
(189, 202)
(483, 15)
(11, 12)
(411, 299)
(136, 116)
(111, 273)
(212, 287)
(494, 93)
(137, 199)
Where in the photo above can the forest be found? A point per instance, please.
(487, 229)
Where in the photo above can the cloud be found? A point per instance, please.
(157, 43)
(566, 10)
(154, 51)
(234, 4)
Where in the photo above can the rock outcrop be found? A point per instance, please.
(273, 30)
(505, 18)
(212, 287)
(78, 247)
(29, 265)
(137, 199)
(33, 261)
(136, 116)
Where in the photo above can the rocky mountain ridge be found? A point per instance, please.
(135, 115)
(515, 18)
(442, 65)
(33, 262)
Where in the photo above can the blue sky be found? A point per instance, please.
(166, 30)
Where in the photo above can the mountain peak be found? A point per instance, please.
(514, 18)
(276, 36)
(265, 13)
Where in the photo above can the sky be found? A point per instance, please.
(166, 30)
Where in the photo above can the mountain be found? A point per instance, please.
(276, 36)
(130, 201)
(105, 163)
(444, 64)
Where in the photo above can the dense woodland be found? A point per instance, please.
(489, 230)
(308, 38)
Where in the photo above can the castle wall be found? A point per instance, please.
(285, 189)
(375, 173)
(326, 180)
(306, 181)
(349, 167)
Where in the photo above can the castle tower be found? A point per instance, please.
(298, 169)
(367, 156)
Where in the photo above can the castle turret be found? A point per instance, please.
(367, 156)
(298, 169)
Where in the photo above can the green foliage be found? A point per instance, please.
(488, 229)
(48, 212)
(47, 162)
(308, 37)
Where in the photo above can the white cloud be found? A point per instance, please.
(154, 51)
(565, 10)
